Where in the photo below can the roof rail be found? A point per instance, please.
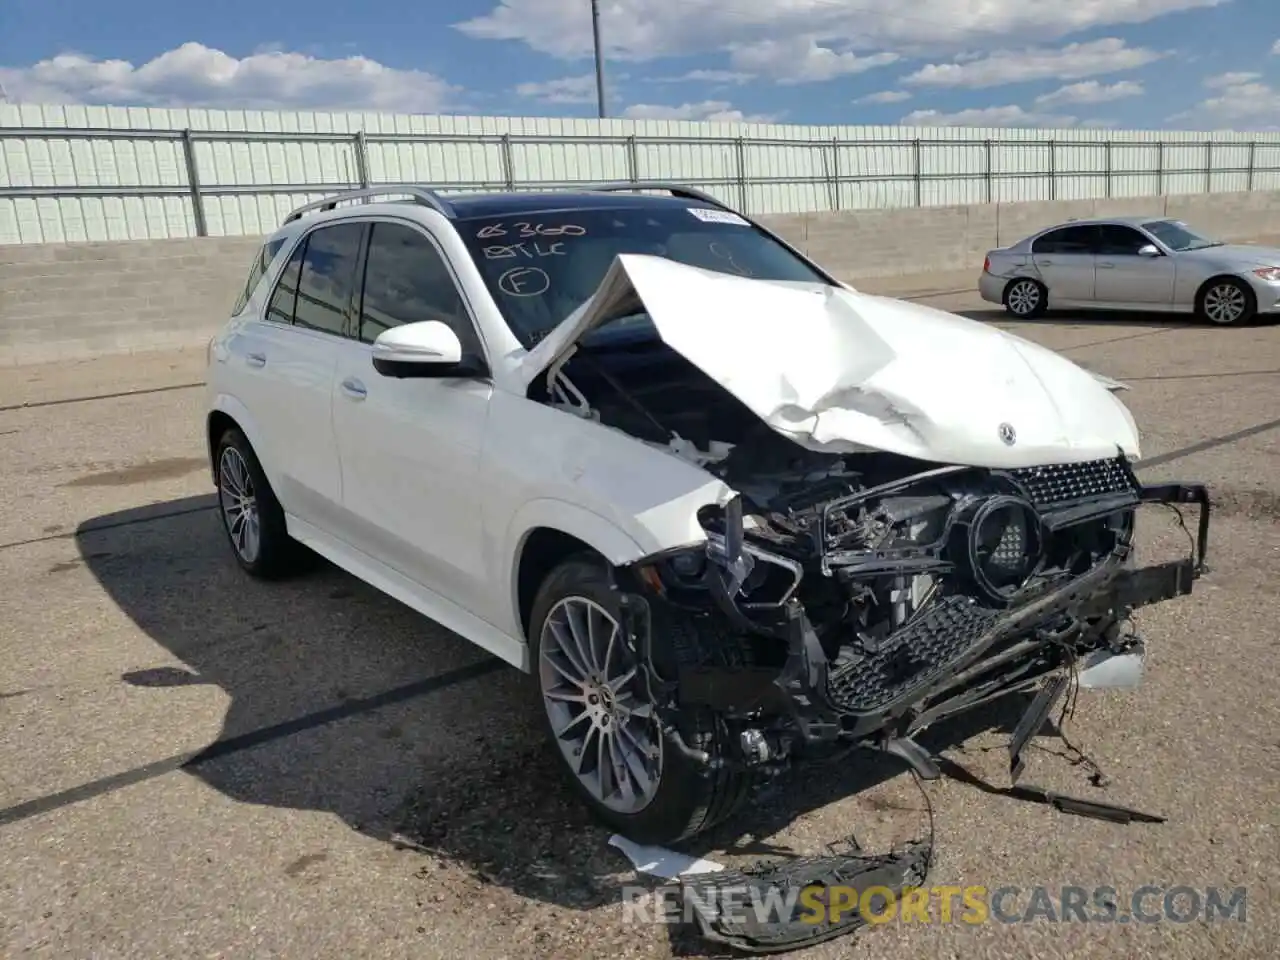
(421, 195)
(675, 189)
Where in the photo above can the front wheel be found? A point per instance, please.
(1026, 298)
(1225, 302)
(604, 726)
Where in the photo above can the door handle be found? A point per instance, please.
(1106, 266)
(1047, 263)
(354, 389)
(256, 359)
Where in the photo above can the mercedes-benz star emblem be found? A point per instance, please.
(1008, 435)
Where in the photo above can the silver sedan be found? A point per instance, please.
(1133, 263)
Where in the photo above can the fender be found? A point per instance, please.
(237, 411)
(602, 535)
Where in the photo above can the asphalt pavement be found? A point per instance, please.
(193, 764)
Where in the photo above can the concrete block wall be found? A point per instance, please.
(80, 300)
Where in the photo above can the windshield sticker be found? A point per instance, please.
(718, 216)
(524, 282)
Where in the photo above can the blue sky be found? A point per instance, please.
(1190, 64)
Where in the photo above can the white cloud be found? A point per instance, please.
(1007, 116)
(580, 89)
(1239, 102)
(707, 76)
(1090, 91)
(1071, 62)
(802, 60)
(1224, 80)
(714, 111)
(1275, 48)
(649, 29)
(885, 96)
(194, 75)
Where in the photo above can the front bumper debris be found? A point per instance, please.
(956, 656)
(801, 902)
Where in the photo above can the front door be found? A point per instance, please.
(1124, 276)
(410, 448)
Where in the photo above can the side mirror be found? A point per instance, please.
(426, 349)
(1149, 250)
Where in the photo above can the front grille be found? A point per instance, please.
(1067, 482)
(922, 650)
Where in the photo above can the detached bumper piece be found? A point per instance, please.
(802, 902)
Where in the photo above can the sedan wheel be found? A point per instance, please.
(592, 693)
(1024, 298)
(1225, 303)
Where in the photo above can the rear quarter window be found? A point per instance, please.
(257, 270)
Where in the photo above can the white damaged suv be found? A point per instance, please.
(728, 512)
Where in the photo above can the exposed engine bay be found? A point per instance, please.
(861, 597)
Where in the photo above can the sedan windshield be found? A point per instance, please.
(540, 267)
(1177, 236)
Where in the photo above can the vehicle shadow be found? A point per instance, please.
(336, 703)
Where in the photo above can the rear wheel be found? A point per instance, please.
(1026, 298)
(251, 515)
(1226, 301)
(603, 725)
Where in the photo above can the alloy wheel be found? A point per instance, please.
(1023, 298)
(239, 502)
(604, 726)
(1225, 303)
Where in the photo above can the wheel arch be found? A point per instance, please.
(228, 413)
(544, 533)
(1218, 278)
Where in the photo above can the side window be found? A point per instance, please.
(407, 281)
(266, 253)
(328, 278)
(1065, 240)
(1119, 241)
(285, 296)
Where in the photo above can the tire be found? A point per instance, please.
(1025, 298)
(1225, 301)
(687, 798)
(242, 482)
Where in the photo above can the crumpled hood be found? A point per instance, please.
(842, 372)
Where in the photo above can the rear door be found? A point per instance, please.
(289, 357)
(1125, 278)
(1065, 259)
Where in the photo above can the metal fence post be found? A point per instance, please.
(988, 171)
(1159, 168)
(193, 184)
(508, 162)
(362, 158)
(1107, 152)
(1253, 150)
(740, 146)
(917, 172)
(633, 159)
(1053, 169)
(1208, 166)
(835, 173)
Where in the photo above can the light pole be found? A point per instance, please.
(595, 33)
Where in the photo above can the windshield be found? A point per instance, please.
(1176, 235)
(540, 267)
